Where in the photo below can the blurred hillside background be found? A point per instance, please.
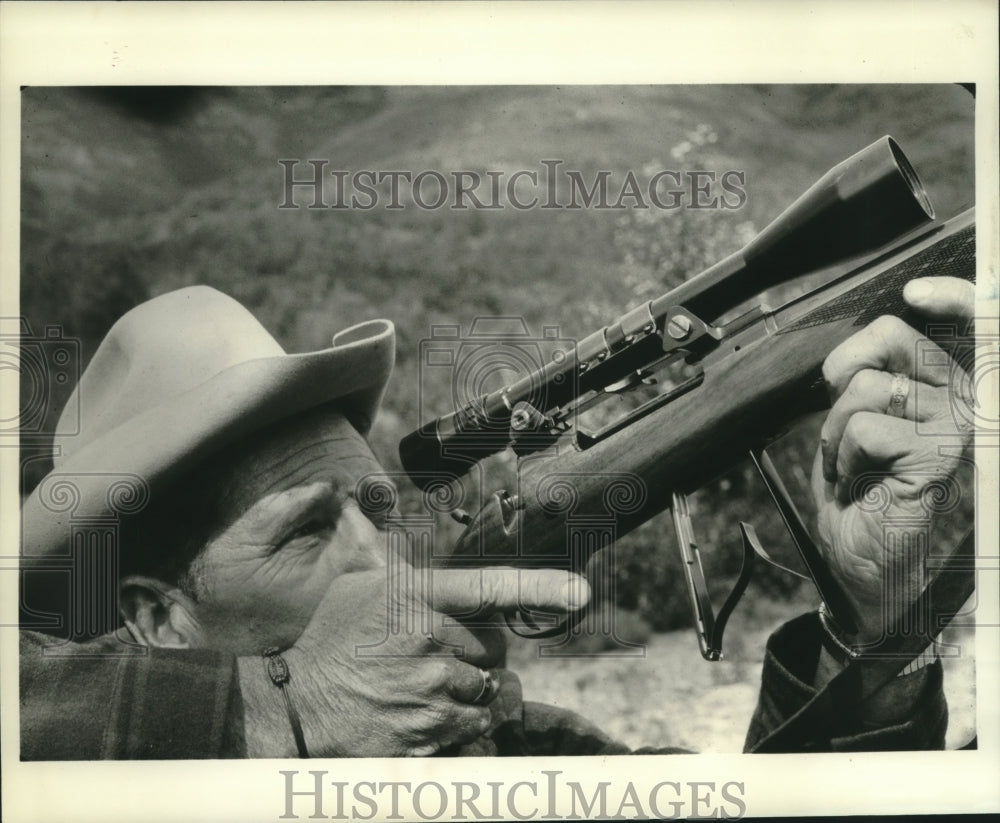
(129, 193)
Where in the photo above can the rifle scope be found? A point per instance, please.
(858, 206)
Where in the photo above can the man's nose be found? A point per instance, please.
(368, 545)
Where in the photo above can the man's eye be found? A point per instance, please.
(309, 529)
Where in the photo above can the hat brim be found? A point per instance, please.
(161, 443)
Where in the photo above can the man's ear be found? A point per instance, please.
(158, 614)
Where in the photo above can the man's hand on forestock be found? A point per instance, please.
(893, 453)
(380, 671)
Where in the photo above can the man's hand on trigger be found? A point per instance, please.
(380, 672)
(891, 434)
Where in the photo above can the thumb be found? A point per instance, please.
(501, 589)
(942, 297)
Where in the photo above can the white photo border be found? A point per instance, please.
(530, 43)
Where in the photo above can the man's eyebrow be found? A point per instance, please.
(295, 466)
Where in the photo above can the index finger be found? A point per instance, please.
(495, 589)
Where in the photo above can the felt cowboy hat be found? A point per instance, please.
(176, 379)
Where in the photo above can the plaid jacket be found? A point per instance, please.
(106, 700)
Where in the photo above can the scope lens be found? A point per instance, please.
(911, 178)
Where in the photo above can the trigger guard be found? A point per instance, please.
(536, 632)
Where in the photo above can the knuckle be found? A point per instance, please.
(493, 590)
(857, 432)
(489, 598)
(854, 390)
(867, 383)
(432, 718)
(434, 676)
(483, 715)
(479, 719)
(831, 367)
(440, 672)
(468, 722)
(535, 586)
(887, 327)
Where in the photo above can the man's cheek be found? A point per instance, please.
(250, 605)
(358, 559)
(253, 626)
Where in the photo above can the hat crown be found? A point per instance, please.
(158, 350)
(177, 379)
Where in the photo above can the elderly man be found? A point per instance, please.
(256, 543)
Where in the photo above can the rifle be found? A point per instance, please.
(862, 232)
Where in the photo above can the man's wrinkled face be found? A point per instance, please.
(293, 526)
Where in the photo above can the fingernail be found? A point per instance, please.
(576, 593)
(918, 290)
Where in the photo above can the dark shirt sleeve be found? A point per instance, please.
(106, 699)
(791, 709)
